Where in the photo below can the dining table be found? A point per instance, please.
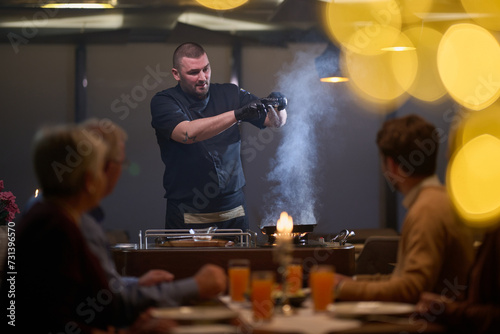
(223, 316)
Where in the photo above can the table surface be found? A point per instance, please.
(305, 321)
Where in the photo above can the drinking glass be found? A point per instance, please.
(239, 276)
(262, 287)
(294, 277)
(321, 281)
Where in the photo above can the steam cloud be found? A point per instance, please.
(310, 108)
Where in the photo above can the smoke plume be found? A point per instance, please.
(310, 111)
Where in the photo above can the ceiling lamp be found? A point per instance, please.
(82, 5)
(221, 4)
(327, 65)
(399, 48)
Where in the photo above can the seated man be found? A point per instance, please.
(436, 251)
(155, 288)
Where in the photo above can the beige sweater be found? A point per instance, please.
(435, 254)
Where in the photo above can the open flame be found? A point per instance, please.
(284, 224)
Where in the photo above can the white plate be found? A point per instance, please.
(195, 313)
(205, 329)
(356, 309)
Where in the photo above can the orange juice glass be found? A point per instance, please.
(294, 276)
(321, 281)
(262, 288)
(239, 277)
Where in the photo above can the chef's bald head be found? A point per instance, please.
(189, 50)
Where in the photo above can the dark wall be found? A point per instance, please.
(37, 86)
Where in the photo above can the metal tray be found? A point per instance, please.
(271, 229)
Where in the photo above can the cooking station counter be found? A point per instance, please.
(185, 261)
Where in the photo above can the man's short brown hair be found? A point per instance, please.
(412, 142)
(189, 50)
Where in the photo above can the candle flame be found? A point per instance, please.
(285, 223)
(36, 193)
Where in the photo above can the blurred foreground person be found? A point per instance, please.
(479, 311)
(56, 272)
(435, 251)
(58, 285)
(156, 288)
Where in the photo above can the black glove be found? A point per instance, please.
(276, 100)
(252, 111)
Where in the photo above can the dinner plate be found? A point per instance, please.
(357, 309)
(205, 329)
(195, 313)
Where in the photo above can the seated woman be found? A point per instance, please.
(57, 276)
(60, 286)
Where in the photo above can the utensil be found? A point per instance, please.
(342, 237)
(208, 230)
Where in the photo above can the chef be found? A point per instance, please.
(196, 128)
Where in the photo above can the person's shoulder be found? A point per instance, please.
(223, 86)
(230, 88)
(46, 218)
(165, 92)
(434, 195)
(162, 98)
(89, 223)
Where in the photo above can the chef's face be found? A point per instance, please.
(193, 76)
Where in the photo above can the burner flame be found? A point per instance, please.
(284, 224)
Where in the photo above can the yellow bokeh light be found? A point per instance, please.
(427, 85)
(473, 181)
(384, 77)
(477, 123)
(469, 65)
(221, 4)
(361, 26)
(484, 12)
(405, 65)
(412, 10)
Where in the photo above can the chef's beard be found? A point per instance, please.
(202, 94)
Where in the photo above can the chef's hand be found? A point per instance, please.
(252, 111)
(275, 104)
(155, 276)
(276, 100)
(211, 280)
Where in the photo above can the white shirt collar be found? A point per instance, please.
(413, 193)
